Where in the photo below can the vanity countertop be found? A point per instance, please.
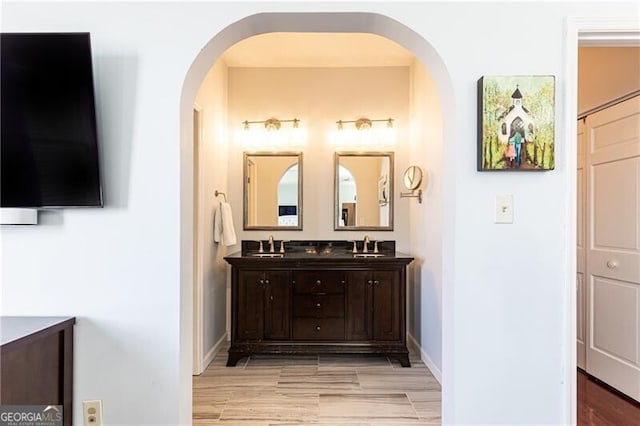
(319, 251)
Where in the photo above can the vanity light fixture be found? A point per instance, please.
(364, 123)
(272, 124)
(271, 134)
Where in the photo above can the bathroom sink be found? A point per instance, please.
(368, 255)
(267, 254)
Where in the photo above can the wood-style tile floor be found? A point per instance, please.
(315, 390)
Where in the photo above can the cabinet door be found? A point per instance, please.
(250, 305)
(277, 306)
(359, 309)
(386, 305)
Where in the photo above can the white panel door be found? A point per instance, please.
(581, 300)
(613, 246)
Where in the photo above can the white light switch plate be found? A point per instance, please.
(504, 209)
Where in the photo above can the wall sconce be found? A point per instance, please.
(364, 133)
(272, 134)
(272, 123)
(364, 123)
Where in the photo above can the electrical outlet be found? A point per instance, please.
(92, 412)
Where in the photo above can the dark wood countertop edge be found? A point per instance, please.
(65, 322)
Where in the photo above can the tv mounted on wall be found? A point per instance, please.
(49, 156)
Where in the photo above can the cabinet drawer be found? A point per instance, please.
(318, 305)
(318, 329)
(319, 282)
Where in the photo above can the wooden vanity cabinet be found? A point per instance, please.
(374, 300)
(263, 305)
(318, 305)
(305, 306)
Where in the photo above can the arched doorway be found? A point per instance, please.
(360, 22)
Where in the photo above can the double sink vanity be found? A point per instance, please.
(318, 297)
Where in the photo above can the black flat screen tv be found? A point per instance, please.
(49, 154)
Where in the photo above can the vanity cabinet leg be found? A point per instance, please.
(402, 358)
(234, 357)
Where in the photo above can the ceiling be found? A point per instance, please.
(290, 50)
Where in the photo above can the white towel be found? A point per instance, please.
(223, 230)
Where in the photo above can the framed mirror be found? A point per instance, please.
(363, 191)
(272, 190)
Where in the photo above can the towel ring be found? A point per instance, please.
(217, 193)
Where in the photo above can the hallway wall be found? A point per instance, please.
(606, 73)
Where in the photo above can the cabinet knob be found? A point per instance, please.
(317, 305)
(369, 282)
(376, 282)
(261, 281)
(342, 282)
(318, 282)
(612, 264)
(270, 297)
(266, 281)
(317, 328)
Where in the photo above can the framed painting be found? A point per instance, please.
(516, 123)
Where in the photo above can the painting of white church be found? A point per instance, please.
(516, 123)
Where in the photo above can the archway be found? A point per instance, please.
(357, 22)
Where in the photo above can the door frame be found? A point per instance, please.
(198, 225)
(593, 31)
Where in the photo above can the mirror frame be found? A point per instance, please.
(336, 216)
(245, 190)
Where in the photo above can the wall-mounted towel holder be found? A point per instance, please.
(217, 193)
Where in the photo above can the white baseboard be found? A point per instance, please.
(437, 374)
(214, 350)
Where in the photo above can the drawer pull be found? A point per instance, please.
(266, 281)
(318, 282)
(317, 328)
(376, 282)
(317, 305)
(612, 264)
(369, 282)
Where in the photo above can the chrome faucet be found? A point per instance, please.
(271, 244)
(365, 244)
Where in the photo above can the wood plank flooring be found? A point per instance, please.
(316, 390)
(599, 406)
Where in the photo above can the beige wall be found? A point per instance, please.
(606, 73)
(212, 99)
(319, 97)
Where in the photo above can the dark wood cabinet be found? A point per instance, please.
(262, 311)
(374, 305)
(36, 360)
(297, 305)
(318, 305)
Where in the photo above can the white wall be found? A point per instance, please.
(118, 269)
(212, 98)
(425, 219)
